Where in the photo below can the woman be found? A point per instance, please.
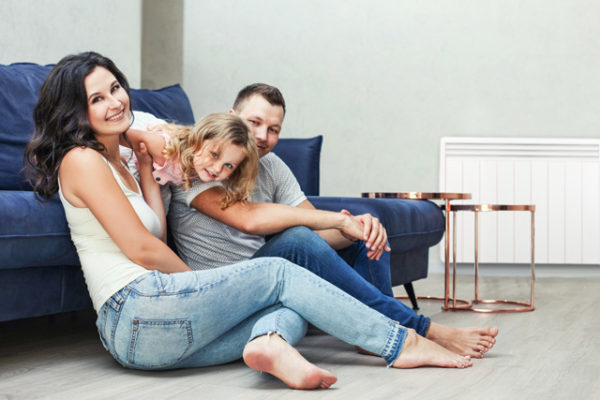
(153, 312)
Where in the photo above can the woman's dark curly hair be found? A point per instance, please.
(61, 119)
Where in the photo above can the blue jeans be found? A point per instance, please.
(200, 318)
(366, 280)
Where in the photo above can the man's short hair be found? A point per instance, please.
(268, 92)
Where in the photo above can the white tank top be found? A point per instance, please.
(105, 267)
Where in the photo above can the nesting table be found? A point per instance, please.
(451, 302)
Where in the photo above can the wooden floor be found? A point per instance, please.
(550, 353)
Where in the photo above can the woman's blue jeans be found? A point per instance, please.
(200, 318)
(349, 269)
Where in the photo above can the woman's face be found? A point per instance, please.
(108, 103)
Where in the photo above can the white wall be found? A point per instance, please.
(385, 80)
(44, 31)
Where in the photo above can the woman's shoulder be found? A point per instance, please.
(81, 159)
(82, 154)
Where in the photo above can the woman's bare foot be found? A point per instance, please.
(474, 342)
(272, 354)
(419, 351)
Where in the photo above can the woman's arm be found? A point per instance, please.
(86, 181)
(150, 189)
(269, 218)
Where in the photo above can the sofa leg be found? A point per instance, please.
(410, 291)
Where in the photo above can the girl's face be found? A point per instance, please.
(108, 103)
(214, 164)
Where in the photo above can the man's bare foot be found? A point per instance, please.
(419, 351)
(474, 342)
(272, 354)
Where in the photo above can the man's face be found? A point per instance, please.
(264, 120)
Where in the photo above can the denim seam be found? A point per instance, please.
(122, 296)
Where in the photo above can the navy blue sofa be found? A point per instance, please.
(39, 268)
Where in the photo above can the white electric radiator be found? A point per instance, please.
(561, 177)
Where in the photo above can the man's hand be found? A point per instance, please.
(374, 234)
(352, 229)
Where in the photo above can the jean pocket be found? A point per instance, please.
(159, 343)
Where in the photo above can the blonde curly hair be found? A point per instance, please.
(221, 129)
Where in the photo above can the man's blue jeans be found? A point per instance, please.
(366, 280)
(200, 318)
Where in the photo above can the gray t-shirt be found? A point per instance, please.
(204, 242)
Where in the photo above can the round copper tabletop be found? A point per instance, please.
(492, 207)
(417, 195)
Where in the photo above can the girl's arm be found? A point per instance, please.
(154, 142)
(87, 181)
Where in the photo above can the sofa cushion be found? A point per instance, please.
(303, 156)
(19, 90)
(169, 103)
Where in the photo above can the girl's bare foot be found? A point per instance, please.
(474, 342)
(272, 354)
(419, 351)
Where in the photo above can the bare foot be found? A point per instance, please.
(419, 351)
(474, 342)
(272, 354)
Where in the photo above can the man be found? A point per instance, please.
(208, 236)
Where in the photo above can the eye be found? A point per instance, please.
(275, 131)
(228, 165)
(214, 154)
(96, 99)
(253, 122)
(115, 88)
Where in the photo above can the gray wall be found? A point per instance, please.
(162, 43)
(385, 80)
(44, 31)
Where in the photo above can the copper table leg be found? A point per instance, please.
(521, 306)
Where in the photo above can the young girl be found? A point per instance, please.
(153, 312)
(217, 148)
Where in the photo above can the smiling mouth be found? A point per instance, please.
(210, 173)
(117, 117)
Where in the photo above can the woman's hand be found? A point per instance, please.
(143, 156)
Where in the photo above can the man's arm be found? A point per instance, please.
(373, 231)
(269, 218)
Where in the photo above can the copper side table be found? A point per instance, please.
(447, 197)
(476, 209)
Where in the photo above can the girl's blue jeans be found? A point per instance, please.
(349, 269)
(200, 318)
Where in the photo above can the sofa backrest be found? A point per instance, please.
(303, 156)
(20, 85)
